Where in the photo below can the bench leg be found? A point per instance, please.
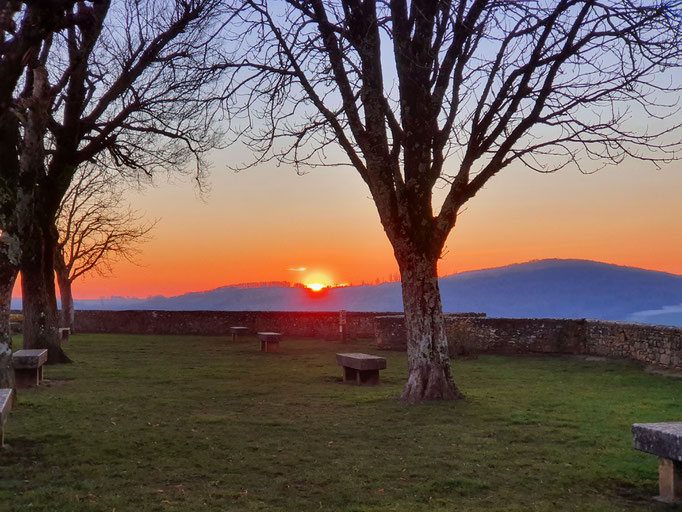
(368, 377)
(361, 377)
(669, 480)
(233, 337)
(349, 374)
(26, 377)
(40, 375)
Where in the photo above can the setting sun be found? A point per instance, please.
(316, 280)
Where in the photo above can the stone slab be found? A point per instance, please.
(359, 361)
(5, 407)
(239, 330)
(5, 404)
(270, 336)
(661, 439)
(33, 358)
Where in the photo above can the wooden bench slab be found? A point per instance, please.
(665, 441)
(269, 341)
(5, 407)
(362, 369)
(28, 366)
(235, 330)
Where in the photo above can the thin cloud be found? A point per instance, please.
(299, 269)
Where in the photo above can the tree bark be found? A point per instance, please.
(10, 244)
(37, 230)
(65, 293)
(38, 290)
(429, 374)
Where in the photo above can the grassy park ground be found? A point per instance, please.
(144, 423)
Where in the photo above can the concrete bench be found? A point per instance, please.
(237, 331)
(665, 441)
(28, 367)
(269, 341)
(363, 369)
(5, 408)
(64, 333)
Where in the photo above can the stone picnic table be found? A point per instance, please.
(362, 369)
(269, 341)
(28, 366)
(64, 333)
(236, 330)
(665, 441)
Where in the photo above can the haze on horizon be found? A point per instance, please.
(267, 223)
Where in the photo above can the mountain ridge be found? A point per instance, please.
(550, 288)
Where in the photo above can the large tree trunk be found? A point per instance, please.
(10, 245)
(8, 275)
(38, 291)
(37, 228)
(65, 293)
(429, 376)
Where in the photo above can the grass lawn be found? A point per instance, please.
(144, 423)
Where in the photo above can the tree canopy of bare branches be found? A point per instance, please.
(127, 85)
(23, 29)
(423, 93)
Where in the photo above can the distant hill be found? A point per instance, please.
(545, 288)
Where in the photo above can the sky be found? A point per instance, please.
(263, 223)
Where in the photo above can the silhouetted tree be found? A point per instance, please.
(427, 93)
(129, 87)
(96, 228)
(23, 28)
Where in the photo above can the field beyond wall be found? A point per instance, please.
(190, 423)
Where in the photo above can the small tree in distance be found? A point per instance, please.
(422, 93)
(96, 228)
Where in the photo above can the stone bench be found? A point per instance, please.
(269, 341)
(238, 331)
(28, 367)
(363, 369)
(5, 408)
(64, 333)
(665, 441)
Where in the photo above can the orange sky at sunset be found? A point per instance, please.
(256, 224)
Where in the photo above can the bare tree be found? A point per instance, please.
(96, 228)
(24, 26)
(129, 87)
(424, 93)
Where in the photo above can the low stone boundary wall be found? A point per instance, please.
(467, 332)
(217, 323)
(649, 344)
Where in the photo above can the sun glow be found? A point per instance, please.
(316, 287)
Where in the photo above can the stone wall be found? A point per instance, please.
(467, 332)
(216, 323)
(390, 329)
(649, 344)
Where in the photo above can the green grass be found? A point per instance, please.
(180, 423)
